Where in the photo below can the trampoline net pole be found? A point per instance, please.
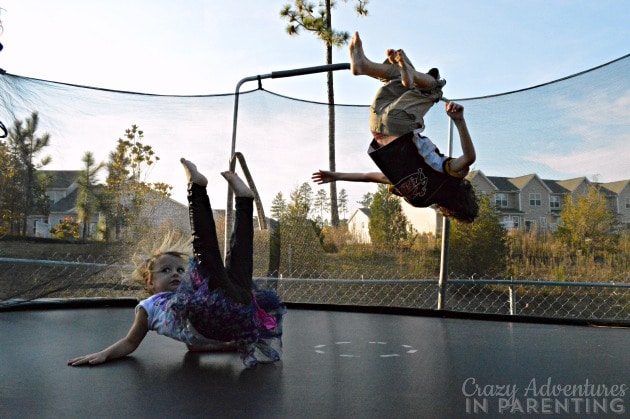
(446, 228)
(229, 210)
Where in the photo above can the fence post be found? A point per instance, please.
(512, 297)
(443, 264)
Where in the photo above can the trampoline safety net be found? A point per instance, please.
(90, 178)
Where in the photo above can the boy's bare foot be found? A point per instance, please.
(237, 185)
(192, 174)
(406, 70)
(357, 56)
(391, 55)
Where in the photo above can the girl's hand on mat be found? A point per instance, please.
(91, 359)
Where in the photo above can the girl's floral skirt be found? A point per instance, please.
(256, 327)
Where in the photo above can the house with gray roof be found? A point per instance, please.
(158, 212)
(531, 203)
(528, 202)
(618, 196)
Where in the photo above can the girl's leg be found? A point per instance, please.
(239, 257)
(203, 230)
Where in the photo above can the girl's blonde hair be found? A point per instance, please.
(172, 244)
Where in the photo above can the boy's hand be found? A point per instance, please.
(322, 177)
(455, 111)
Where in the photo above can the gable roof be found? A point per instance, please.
(521, 181)
(555, 187)
(616, 187)
(474, 174)
(363, 210)
(66, 203)
(516, 184)
(503, 184)
(572, 184)
(61, 179)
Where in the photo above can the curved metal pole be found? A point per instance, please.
(262, 222)
(229, 211)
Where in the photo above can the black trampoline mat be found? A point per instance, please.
(336, 364)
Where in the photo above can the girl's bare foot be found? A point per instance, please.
(192, 174)
(237, 185)
(358, 60)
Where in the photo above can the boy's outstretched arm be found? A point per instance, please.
(121, 348)
(456, 112)
(323, 176)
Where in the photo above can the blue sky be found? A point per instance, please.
(206, 46)
(198, 47)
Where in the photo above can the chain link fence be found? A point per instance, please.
(24, 280)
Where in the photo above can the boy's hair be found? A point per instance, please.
(461, 203)
(173, 244)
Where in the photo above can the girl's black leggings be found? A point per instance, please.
(235, 277)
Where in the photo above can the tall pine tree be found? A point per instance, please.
(304, 15)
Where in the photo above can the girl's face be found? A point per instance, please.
(166, 275)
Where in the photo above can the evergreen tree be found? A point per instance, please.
(302, 15)
(343, 203)
(321, 204)
(301, 238)
(367, 199)
(24, 145)
(301, 201)
(9, 190)
(87, 201)
(479, 248)
(388, 224)
(278, 206)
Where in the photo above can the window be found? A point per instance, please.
(627, 203)
(534, 200)
(500, 200)
(554, 202)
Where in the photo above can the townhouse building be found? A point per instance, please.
(527, 203)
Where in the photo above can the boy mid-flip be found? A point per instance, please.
(409, 161)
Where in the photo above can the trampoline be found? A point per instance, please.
(339, 362)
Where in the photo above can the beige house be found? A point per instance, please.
(358, 225)
(618, 195)
(423, 220)
(62, 193)
(531, 203)
(524, 203)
